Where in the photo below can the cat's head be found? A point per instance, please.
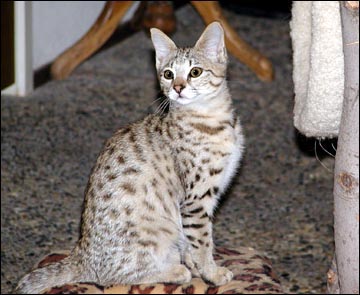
(188, 75)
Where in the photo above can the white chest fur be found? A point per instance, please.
(233, 160)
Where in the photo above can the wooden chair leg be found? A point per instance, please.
(159, 14)
(211, 11)
(98, 34)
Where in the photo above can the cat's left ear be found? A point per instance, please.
(163, 45)
(212, 43)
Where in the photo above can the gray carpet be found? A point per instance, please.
(280, 202)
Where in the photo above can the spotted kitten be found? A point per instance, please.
(153, 190)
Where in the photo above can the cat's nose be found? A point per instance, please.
(178, 88)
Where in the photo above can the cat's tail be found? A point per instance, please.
(55, 274)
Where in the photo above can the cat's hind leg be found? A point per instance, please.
(168, 269)
(176, 274)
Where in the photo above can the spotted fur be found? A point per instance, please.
(152, 193)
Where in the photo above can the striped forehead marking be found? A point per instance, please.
(183, 55)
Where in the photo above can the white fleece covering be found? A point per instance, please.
(318, 67)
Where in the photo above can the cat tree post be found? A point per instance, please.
(345, 274)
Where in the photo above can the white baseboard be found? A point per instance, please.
(10, 90)
(23, 47)
(24, 76)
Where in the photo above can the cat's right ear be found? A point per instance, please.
(163, 45)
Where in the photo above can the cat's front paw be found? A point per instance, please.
(219, 276)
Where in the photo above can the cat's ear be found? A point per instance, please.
(212, 43)
(163, 45)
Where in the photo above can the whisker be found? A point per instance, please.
(165, 106)
(156, 100)
(322, 164)
(330, 154)
(158, 109)
(162, 103)
(162, 107)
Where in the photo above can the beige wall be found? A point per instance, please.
(56, 25)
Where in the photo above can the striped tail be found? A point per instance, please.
(55, 274)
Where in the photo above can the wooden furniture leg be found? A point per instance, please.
(98, 34)
(211, 11)
(159, 14)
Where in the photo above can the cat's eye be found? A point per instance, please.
(196, 72)
(168, 74)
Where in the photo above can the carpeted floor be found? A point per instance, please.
(280, 203)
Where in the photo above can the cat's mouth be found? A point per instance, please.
(181, 96)
(182, 99)
(178, 96)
